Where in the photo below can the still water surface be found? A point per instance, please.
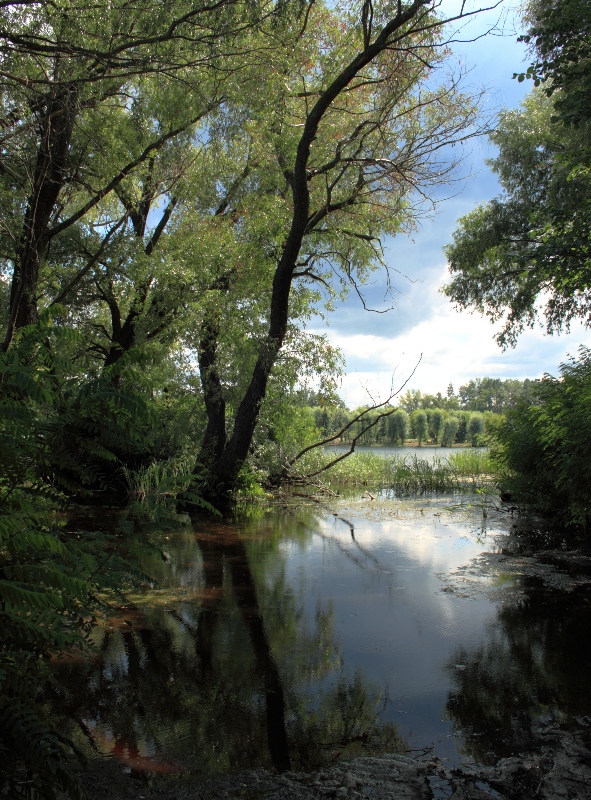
(303, 633)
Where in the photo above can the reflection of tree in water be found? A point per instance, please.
(533, 668)
(222, 680)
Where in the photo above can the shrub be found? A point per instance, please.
(541, 448)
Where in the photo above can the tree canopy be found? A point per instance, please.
(179, 185)
(560, 38)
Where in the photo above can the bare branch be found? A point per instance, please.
(346, 427)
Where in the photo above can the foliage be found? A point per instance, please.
(475, 427)
(541, 448)
(49, 579)
(43, 603)
(436, 418)
(209, 220)
(43, 594)
(450, 429)
(398, 426)
(559, 34)
(419, 425)
(479, 394)
(534, 240)
(493, 394)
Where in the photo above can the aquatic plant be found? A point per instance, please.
(412, 474)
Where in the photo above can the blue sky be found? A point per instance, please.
(381, 350)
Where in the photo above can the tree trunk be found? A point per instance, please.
(49, 177)
(214, 438)
(224, 471)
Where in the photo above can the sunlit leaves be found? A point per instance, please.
(533, 241)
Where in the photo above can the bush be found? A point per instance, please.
(541, 449)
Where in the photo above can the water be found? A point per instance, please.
(426, 452)
(302, 634)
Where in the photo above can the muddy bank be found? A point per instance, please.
(560, 771)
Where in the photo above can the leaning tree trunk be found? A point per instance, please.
(223, 471)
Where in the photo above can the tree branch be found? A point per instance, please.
(160, 142)
(346, 427)
(84, 271)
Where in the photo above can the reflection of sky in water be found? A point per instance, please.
(392, 618)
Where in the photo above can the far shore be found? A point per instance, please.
(408, 443)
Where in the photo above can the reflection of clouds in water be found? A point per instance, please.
(420, 532)
(391, 616)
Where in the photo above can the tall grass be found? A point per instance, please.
(411, 474)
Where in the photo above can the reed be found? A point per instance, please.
(411, 474)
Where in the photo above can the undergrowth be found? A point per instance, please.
(55, 436)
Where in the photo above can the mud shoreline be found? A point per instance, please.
(560, 771)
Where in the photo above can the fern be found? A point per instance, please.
(44, 597)
(59, 435)
(27, 739)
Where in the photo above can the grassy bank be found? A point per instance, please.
(466, 469)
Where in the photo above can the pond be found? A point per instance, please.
(302, 633)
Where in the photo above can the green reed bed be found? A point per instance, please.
(412, 474)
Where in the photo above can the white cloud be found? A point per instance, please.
(455, 347)
(381, 350)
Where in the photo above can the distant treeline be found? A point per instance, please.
(436, 419)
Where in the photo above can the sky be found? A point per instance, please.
(423, 332)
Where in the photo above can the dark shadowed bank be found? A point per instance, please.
(559, 770)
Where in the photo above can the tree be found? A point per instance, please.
(436, 418)
(450, 428)
(411, 400)
(475, 427)
(68, 79)
(534, 240)
(157, 202)
(398, 426)
(418, 421)
(493, 394)
(358, 149)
